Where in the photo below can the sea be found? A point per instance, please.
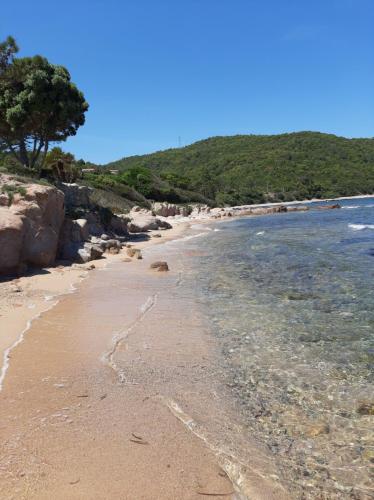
(290, 299)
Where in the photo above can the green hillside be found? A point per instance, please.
(251, 169)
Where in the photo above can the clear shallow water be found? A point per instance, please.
(291, 298)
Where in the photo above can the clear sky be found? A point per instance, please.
(156, 70)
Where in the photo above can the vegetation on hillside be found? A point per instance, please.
(254, 169)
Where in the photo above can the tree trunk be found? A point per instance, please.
(23, 154)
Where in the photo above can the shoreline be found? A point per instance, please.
(17, 316)
(25, 299)
(70, 365)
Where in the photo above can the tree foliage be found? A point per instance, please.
(7, 50)
(256, 169)
(39, 105)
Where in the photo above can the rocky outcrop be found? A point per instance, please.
(77, 244)
(217, 213)
(200, 210)
(12, 232)
(30, 224)
(76, 195)
(171, 210)
(297, 208)
(143, 221)
(328, 207)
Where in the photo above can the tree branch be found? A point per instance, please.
(35, 156)
(46, 146)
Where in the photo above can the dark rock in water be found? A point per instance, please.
(317, 429)
(328, 207)
(300, 296)
(310, 338)
(366, 408)
(160, 266)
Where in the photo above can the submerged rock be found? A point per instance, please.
(317, 429)
(366, 408)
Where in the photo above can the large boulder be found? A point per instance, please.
(141, 224)
(81, 252)
(82, 227)
(30, 225)
(12, 232)
(76, 195)
(118, 224)
(95, 227)
(43, 210)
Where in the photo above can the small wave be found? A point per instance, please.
(260, 233)
(197, 227)
(240, 473)
(190, 237)
(360, 227)
(217, 230)
(351, 207)
(118, 338)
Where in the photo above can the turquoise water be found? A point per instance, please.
(291, 299)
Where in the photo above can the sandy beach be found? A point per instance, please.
(104, 394)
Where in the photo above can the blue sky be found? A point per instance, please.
(156, 70)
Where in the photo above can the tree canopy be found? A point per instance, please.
(255, 169)
(7, 50)
(39, 105)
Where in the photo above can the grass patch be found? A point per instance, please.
(11, 190)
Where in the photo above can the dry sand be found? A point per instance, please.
(105, 396)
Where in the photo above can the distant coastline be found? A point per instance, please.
(302, 202)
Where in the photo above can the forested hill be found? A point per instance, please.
(250, 169)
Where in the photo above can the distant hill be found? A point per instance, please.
(251, 169)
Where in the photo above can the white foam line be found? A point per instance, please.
(186, 238)
(20, 339)
(118, 338)
(231, 464)
(6, 355)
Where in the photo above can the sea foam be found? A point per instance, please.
(360, 227)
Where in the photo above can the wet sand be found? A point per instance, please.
(115, 393)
